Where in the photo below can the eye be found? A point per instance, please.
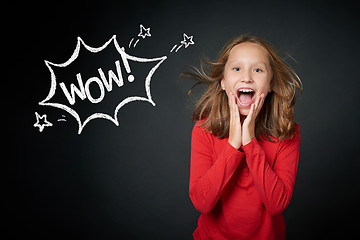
(236, 69)
(257, 70)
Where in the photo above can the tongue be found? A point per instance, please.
(245, 98)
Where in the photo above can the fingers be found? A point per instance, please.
(255, 108)
(249, 123)
(258, 104)
(234, 109)
(252, 110)
(235, 124)
(243, 134)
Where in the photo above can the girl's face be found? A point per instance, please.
(247, 74)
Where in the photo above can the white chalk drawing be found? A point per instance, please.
(186, 42)
(81, 91)
(143, 33)
(41, 122)
(62, 119)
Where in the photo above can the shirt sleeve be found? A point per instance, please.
(209, 176)
(275, 184)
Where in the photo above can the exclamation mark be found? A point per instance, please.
(131, 77)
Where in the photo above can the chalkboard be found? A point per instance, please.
(99, 120)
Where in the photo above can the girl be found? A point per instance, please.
(245, 144)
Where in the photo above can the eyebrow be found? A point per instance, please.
(255, 63)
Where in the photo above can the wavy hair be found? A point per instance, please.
(276, 117)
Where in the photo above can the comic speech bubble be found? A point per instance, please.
(81, 90)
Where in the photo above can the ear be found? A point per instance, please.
(222, 84)
(271, 85)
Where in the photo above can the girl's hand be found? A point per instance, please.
(235, 123)
(248, 127)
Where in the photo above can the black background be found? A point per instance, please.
(131, 181)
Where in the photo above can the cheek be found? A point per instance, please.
(266, 86)
(227, 85)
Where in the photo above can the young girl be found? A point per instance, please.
(245, 144)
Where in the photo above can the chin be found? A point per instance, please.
(244, 111)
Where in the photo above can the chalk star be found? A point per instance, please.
(187, 40)
(44, 122)
(144, 31)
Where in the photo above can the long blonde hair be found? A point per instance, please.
(276, 117)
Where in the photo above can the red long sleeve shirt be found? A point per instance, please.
(241, 194)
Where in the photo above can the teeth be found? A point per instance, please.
(246, 90)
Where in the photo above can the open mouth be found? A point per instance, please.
(245, 96)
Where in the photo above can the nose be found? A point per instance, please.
(246, 76)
